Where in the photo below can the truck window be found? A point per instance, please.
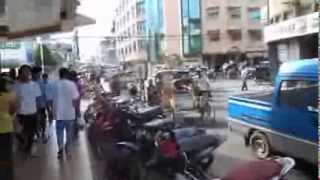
(299, 93)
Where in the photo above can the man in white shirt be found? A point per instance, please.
(27, 93)
(64, 101)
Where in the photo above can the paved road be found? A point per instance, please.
(233, 152)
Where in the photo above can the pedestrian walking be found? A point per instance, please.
(245, 76)
(7, 111)
(48, 89)
(36, 77)
(64, 101)
(27, 92)
(44, 109)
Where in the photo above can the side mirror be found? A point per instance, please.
(313, 109)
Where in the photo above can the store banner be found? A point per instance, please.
(294, 27)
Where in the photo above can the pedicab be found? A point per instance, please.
(188, 101)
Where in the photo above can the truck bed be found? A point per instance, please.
(261, 97)
(254, 109)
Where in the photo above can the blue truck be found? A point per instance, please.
(284, 120)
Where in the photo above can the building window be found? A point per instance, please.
(129, 49)
(235, 35)
(2, 7)
(277, 19)
(129, 32)
(214, 35)
(305, 9)
(141, 27)
(134, 29)
(213, 12)
(134, 46)
(133, 13)
(254, 15)
(128, 16)
(140, 9)
(141, 45)
(255, 35)
(234, 12)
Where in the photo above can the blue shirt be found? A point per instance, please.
(46, 93)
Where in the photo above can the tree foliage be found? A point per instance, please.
(49, 58)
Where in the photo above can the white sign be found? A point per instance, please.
(294, 27)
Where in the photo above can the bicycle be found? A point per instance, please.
(206, 107)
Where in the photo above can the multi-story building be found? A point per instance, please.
(232, 27)
(147, 30)
(292, 30)
(130, 28)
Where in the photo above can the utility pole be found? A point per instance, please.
(268, 12)
(76, 44)
(39, 40)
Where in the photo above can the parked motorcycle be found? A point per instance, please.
(171, 152)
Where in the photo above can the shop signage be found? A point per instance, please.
(10, 45)
(294, 27)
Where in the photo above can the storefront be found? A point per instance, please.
(296, 38)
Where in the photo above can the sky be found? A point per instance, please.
(103, 12)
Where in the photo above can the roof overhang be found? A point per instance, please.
(61, 26)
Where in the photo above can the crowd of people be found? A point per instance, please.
(29, 104)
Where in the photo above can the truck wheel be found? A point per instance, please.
(260, 145)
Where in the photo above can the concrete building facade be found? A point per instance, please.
(292, 30)
(232, 27)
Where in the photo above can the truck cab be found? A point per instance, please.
(284, 120)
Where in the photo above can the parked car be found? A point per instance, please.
(284, 120)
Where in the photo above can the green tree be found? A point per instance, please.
(49, 59)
